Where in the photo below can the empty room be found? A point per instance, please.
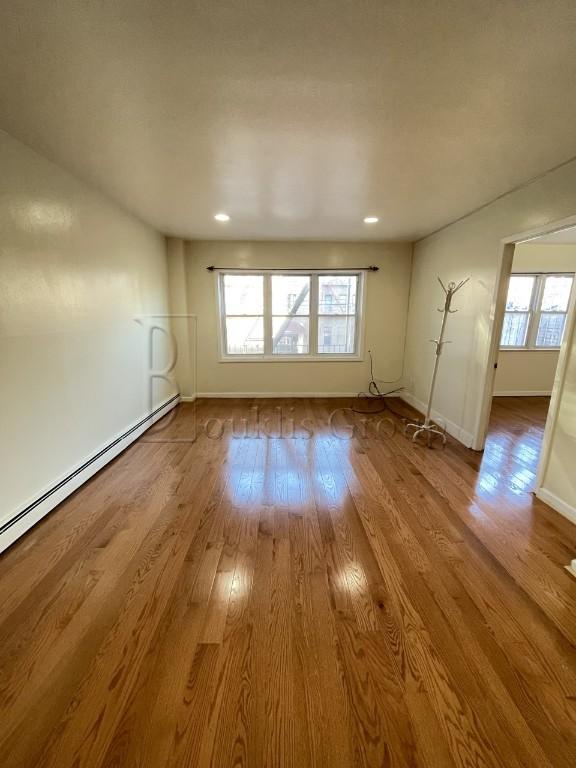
(287, 384)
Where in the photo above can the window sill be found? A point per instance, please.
(529, 349)
(291, 359)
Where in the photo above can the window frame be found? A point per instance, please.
(535, 312)
(312, 355)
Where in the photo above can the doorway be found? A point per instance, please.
(533, 318)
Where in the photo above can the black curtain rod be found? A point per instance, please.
(371, 268)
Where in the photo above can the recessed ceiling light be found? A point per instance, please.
(371, 220)
(222, 217)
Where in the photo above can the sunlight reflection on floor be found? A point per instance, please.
(512, 453)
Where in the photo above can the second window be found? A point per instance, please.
(536, 309)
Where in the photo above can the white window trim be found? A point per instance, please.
(535, 311)
(267, 356)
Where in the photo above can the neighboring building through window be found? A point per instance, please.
(269, 314)
(536, 308)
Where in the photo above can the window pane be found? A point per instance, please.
(290, 295)
(336, 335)
(337, 294)
(520, 293)
(244, 294)
(290, 335)
(514, 329)
(556, 294)
(550, 330)
(245, 335)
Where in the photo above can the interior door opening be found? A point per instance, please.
(533, 318)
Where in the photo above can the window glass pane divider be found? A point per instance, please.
(313, 325)
(536, 303)
(267, 314)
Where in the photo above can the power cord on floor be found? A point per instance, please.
(374, 392)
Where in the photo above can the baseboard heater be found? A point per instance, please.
(57, 488)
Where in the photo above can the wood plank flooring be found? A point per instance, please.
(317, 600)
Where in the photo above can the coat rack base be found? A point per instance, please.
(429, 431)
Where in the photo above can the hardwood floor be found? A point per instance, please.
(513, 446)
(307, 601)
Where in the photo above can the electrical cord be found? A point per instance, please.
(373, 389)
(375, 393)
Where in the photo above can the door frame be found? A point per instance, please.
(497, 310)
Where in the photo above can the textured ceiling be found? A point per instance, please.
(296, 117)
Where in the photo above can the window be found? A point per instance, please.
(243, 297)
(536, 308)
(337, 314)
(290, 314)
(271, 315)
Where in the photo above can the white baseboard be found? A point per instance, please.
(453, 429)
(188, 398)
(557, 504)
(21, 520)
(524, 393)
(275, 394)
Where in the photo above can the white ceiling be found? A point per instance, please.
(296, 117)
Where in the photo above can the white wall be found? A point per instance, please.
(472, 247)
(546, 257)
(75, 271)
(525, 372)
(386, 311)
(559, 478)
(531, 372)
(183, 321)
